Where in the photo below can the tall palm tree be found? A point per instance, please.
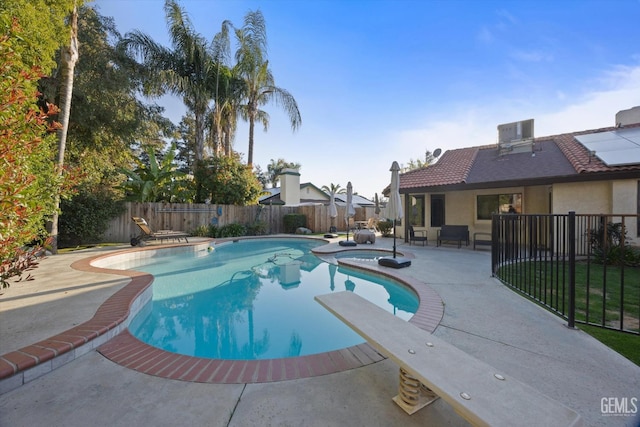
(187, 70)
(252, 67)
(68, 59)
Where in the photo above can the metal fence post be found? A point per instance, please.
(572, 269)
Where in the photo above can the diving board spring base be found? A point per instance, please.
(412, 394)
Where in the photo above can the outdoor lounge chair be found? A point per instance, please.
(147, 234)
(422, 237)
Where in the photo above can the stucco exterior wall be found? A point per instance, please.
(536, 200)
(582, 197)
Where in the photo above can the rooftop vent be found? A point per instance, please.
(516, 137)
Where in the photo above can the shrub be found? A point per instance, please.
(258, 228)
(607, 246)
(386, 228)
(85, 218)
(293, 221)
(232, 230)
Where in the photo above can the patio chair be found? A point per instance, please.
(372, 225)
(147, 234)
(418, 238)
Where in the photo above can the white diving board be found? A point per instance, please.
(477, 391)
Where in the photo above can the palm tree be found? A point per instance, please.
(68, 60)
(252, 68)
(275, 168)
(333, 189)
(187, 70)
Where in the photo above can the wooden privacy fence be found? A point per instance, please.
(187, 217)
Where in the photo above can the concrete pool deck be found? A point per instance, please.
(481, 316)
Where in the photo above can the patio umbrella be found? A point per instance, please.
(394, 212)
(333, 211)
(395, 203)
(348, 213)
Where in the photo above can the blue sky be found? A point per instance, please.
(382, 80)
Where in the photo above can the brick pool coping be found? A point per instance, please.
(107, 333)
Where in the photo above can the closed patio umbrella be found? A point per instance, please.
(394, 212)
(333, 211)
(348, 213)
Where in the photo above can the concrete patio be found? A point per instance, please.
(481, 317)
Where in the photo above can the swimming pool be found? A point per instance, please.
(253, 299)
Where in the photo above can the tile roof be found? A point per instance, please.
(556, 157)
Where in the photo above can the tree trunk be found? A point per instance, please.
(250, 153)
(69, 58)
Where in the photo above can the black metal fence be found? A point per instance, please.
(582, 267)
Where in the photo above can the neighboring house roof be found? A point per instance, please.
(558, 158)
(273, 197)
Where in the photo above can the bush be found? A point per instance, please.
(293, 221)
(607, 246)
(232, 230)
(85, 218)
(386, 228)
(258, 228)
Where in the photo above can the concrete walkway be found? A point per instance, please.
(481, 316)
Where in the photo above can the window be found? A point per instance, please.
(437, 210)
(489, 204)
(416, 211)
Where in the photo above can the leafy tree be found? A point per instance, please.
(43, 30)
(252, 67)
(429, 159)
(227, 181)
(157, 181)
(275, 168)
(27, 176)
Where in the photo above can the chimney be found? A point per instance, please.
(290, 187)
(628, 117)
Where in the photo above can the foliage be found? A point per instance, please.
(293, 221)
(187, 69)
(258, 228)
(108, 123)
(226, 181)
(252, 68)
(429, 159)
(27, 177)
(86, 216)
(43, 29)
(275, 168)
(386, 228)
(610, 246)
(24, 259)
(157, 181)
(232, 230)
(216, 232)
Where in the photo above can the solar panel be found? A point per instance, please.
(615, 148)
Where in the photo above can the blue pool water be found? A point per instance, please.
(253, 299)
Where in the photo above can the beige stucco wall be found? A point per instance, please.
(582, 197)
(619, 197)
(536, 199)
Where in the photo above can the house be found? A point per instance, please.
(591, 171)
(292, 192)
